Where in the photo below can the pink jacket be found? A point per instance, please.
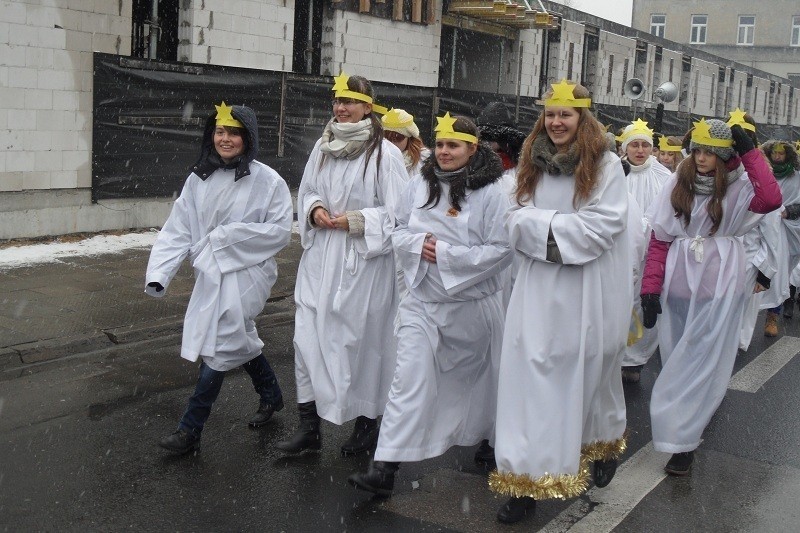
(767, 198)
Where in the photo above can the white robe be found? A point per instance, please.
(644, 183)
(566, 328)
(766, 248)
(451, 324)
(703, 300)
(790, 190)
(346, 294)
(231, 232)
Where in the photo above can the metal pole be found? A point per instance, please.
(659, 117)
(153, 37)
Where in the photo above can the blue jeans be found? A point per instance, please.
(209, 383)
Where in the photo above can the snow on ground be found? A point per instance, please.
(32, 254)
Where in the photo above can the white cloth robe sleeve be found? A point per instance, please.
(581, 236)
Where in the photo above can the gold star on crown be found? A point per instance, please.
(664, 146)
(225, 118)
(702, 135)
(444, 130)
(737, 117)
(563, 96)
(392, 119)
(341, 89)
(639, 128)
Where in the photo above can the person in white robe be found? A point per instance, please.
(645, 180)
(346, 294)
(233, 215)
(566, 324)
(452, 246)
(696, 262)
(785, 164)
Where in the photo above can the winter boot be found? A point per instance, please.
(632, 374)
(180, 442)
(604, 472)
(515, 509)
(788, 304)
(307, 436)
(680, 464)
(363, 438)
(264, 413)
(379, 479)
(484, 455)
(771, 325)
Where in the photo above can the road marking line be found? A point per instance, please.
(634, 480)
(753, 376)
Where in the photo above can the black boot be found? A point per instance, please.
(264, 413)
(363, 438)
(307, 436)
(379, 479)
(604, 472)
(180, 442)
(632, 374)
(515, 509)
(680, 464)
(484, 455)
(788, 304)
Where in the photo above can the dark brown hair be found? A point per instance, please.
(682, 197)
(458, 188)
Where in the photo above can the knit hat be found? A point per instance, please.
(637, 131)
(400, 121)
(713, 135)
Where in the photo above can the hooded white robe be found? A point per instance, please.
(644, 183)
(231, 231)
(703, 300)
(566, 328)
(451, 324)
(346, 290)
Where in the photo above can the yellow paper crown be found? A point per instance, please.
(737, 117)
(224, 117)
(797, 145)
(563, 96)
(341, 90)
(444, 130)
(639, 128)
(664, 146)
(701, 134)
(392, 119)
(779, 148)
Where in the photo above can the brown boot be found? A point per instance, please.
(771, 325)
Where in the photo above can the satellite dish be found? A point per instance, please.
(634, 88)
(667, 92)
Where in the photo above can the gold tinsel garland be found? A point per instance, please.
(560, 486)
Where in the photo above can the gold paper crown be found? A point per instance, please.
(779, 148)
(664, 146)
(639, 128)
(797, 145)
(701, 134)
(392, 119)
(224, 117)
(444, 130)
(563, 96)
(737, 117)
(343, 91)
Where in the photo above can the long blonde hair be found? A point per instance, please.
(590, 143)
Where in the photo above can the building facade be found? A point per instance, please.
(764, 35)
(47, 94)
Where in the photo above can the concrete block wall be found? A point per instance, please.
(621, 48)
(759, 107)
(531, 42)
(242, 33)
(381, 49)
(794, 112)
(703, 87)
(664, 75)
(572, 33)
(780, 107)
(46, 88)
(739, 92)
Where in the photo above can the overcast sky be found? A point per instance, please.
(616, 10)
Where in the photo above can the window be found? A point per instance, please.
(747, 27)
(698, 35)
(658, 25)
(795, 31)
(610, 73)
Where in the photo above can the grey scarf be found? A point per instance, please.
(705, 184)
(547, 157)
(346, 139)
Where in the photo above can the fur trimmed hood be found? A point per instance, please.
(484, 168)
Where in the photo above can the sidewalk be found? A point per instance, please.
(82, 304)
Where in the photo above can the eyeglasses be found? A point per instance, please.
(345, 101)
(393, 136)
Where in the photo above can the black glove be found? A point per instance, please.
(763, 280)
(156, 285)
(651, 308)
(742, 142)
(793, 211)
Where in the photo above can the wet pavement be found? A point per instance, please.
(90, 378)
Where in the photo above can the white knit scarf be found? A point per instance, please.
(346, 139)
